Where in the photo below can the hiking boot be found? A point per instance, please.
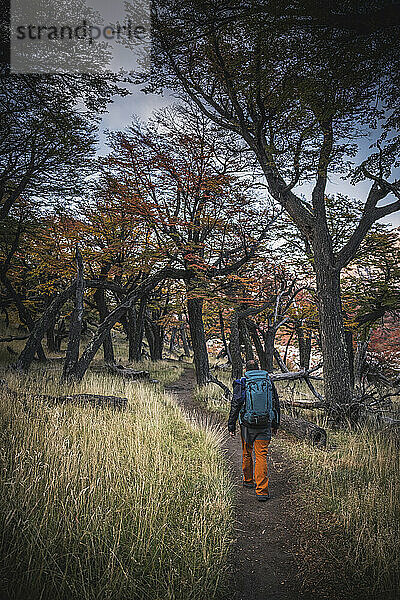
(262, 498)
(248, 485)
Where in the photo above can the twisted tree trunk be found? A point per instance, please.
(23, 312)
(304, 342)
(236, 355)
(72, 354)
(108, 350)
(200, 353)
(336, 367)
(28, 353)
(245, 338)
(223, 337)
(182, 330)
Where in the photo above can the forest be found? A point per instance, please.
(253, 215)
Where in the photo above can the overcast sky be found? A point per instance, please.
(120, 114)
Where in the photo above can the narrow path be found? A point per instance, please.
(262, 565)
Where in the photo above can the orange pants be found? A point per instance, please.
(261, 468)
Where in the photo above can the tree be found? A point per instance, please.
(45, 146)
(46, 142)
(180, 174)
(261, 296)
(301, 92)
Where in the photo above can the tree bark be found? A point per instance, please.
(304, 342)
(89, 353)
(72, 353)
(269, 345)
(309, 404)
(248, 347)
(60, 333)
(136, 319)
(280, 362)
(182, 330)
(155, 336)
(223, 336)
(336, 368)
(200, 353)
(236, 355)
(94, 400)
(128, 322)
(287, 346)
(142, 289)
(124, 372)
(108, 350)
(258, 344)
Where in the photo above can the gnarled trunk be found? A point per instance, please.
(223, 336)
(337, 381)
(269, 345)
(108, 350)
(27, 355)
(91, 349)
(200, 354)
(136, 320)
(257, 343)
(23, 312)
(155, 336)
(246, 341)
(72, 354)
(236, 356)
(182, 331)
(304, 342)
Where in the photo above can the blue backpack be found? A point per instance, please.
(257, 409)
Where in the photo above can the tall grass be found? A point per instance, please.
(351, 493)
(98, 504)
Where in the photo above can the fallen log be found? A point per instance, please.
(129, 373)
(304, 430)
(223, 367)
(124, 372)
(227, 391)
(12, 338)
(95, 400)
(309, 404)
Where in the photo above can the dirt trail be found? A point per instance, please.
(263, 566)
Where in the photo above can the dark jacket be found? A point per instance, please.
(238, 400)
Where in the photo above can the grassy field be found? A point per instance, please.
(98, 504)
(349, 496)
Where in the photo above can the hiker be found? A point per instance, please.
(255, 401)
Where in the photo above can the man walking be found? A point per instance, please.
(255, 401)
